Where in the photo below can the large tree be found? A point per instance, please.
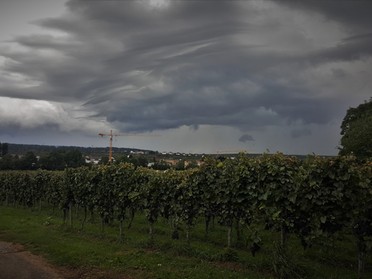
(356, 131)
(74, 158)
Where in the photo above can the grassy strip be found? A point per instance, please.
(43, 233)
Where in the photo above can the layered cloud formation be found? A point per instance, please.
(256, 67)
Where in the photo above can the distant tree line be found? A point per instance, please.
(95, 152)
(55, 160)
(62, 158)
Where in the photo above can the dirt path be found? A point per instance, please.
(16, 263)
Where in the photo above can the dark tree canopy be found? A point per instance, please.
(4, 149)
(356, 131)
(27, 162)
(61, 158)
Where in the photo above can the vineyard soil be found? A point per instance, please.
(18, 263)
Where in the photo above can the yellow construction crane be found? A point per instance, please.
(111, 137)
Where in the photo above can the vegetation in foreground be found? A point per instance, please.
(43, 232)
(273, 212)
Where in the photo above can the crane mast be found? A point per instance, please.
(111, 136)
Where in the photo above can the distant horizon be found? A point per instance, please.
(169, 152)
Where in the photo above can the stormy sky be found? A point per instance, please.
(188, 75)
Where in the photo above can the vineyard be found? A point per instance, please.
(311, 200)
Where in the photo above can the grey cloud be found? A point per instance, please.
(339, 73)
(245, 138)
(358, 37)
(47, 42)
(354, 14)
(144, 69)
(300, 133)
(347, 50)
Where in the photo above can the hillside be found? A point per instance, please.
(20, 149)
(98, 152)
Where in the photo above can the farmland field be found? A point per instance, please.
(268, 217)
(136, 257)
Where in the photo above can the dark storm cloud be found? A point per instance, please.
(348, 49)
(245, 138)
(300, 133)
(354, 14)
(190, 63)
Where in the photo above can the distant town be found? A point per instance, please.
(30, 156)
(26, 156)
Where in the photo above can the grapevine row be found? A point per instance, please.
(311, 199)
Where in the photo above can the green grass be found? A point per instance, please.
(136, 257)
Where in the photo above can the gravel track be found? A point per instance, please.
(16, 263)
